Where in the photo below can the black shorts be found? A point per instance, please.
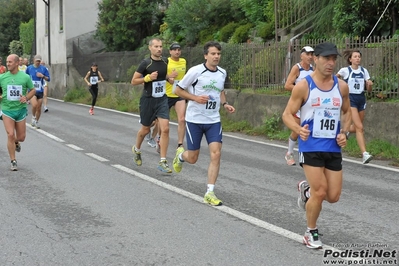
(173, 100)
(358, 101)
(152, 108)
(39, 95)
(330, 160)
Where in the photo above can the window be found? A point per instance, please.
(61, 3)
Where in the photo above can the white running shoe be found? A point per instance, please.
(302, 199)
(151, 143)
(312, 239)
(148, 137)
(33, 124)
(367, 157)
(290, 159)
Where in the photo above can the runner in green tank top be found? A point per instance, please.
(17, 89)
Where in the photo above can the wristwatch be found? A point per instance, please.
(224, 103)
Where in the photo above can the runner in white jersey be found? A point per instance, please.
(321, 97)
(203, 87)
(298, 72)
(357, 78)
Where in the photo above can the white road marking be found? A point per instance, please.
(47, 134)
(242, 216)
(99, 158)
(76, 148)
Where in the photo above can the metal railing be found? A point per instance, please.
(261, 65)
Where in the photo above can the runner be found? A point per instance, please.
(95, 77)
(45, 90)
(357, 78)
(298, 72)
(15, 86)
(39, 75)
(153, 103)
(320, 97)
(2, 68)
(175, 63)
(203, 87)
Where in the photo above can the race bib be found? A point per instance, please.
(93, 80)
(37, 85)
(174, 86)
(158, 88)
(212, 105)
(325, 122)
(14, 92)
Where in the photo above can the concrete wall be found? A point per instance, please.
(380, 122)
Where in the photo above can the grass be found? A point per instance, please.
(271, 128)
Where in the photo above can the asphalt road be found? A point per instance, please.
(78, 199)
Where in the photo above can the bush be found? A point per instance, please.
(130, 72)
(16, 47)
(265, 30)
(227, 31)
(241, 34)
(206, 35)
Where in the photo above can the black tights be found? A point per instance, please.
(94, 93)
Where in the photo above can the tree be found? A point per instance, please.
(13, 12)
(26, 35)
(185, 19)
(123, 24)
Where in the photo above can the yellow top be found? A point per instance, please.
(180, 67)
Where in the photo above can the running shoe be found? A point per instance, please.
(177, 164)
(137, 156)
(290, 158)
(14, 166)
(367, 157)
(37, 125)
(151, 143)
(164, 167)
(148, 137)
(312, 239)
(211, 199)
(158, 144)
(91, 111)
(33, 123)
(302, 199)
(17, 147)
(45, 109)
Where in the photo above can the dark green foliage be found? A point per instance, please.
(227, 31)
(12, 13)
(122, 24)
(26, 34)
(241, 34)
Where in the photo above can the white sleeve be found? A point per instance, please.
(344, 73)
(366, 74)
(188, 79)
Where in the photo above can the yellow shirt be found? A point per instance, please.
(180, 67)
(22, 68)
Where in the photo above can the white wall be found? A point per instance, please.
(81, 16)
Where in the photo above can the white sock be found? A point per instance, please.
(135, 148)
(163, 159)
(308, 229)
(181, 157)
(291, 145)
(210, 187)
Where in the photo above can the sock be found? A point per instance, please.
(308, 229)
(181, 157)
(34, 118)
(291, 145)
(163, 159)
(179, 145)
(210, 187)
(135, 148)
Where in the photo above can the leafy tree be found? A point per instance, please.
(13, 12)
(122, 24)
(186, 18)
(16, 47)
(26, 35)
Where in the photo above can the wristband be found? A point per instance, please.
(147, 78)
(224, 103)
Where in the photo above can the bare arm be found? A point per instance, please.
(298, 96)
(101, 76)
(227, 106)
(137, 78)
(292, 76)
(86, 77)
(346, 119)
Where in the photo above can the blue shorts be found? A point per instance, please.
(194, 133)
(358, 101)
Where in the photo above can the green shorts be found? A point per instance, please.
(17, 115)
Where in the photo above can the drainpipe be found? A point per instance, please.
(289, 53)
(47, 2)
